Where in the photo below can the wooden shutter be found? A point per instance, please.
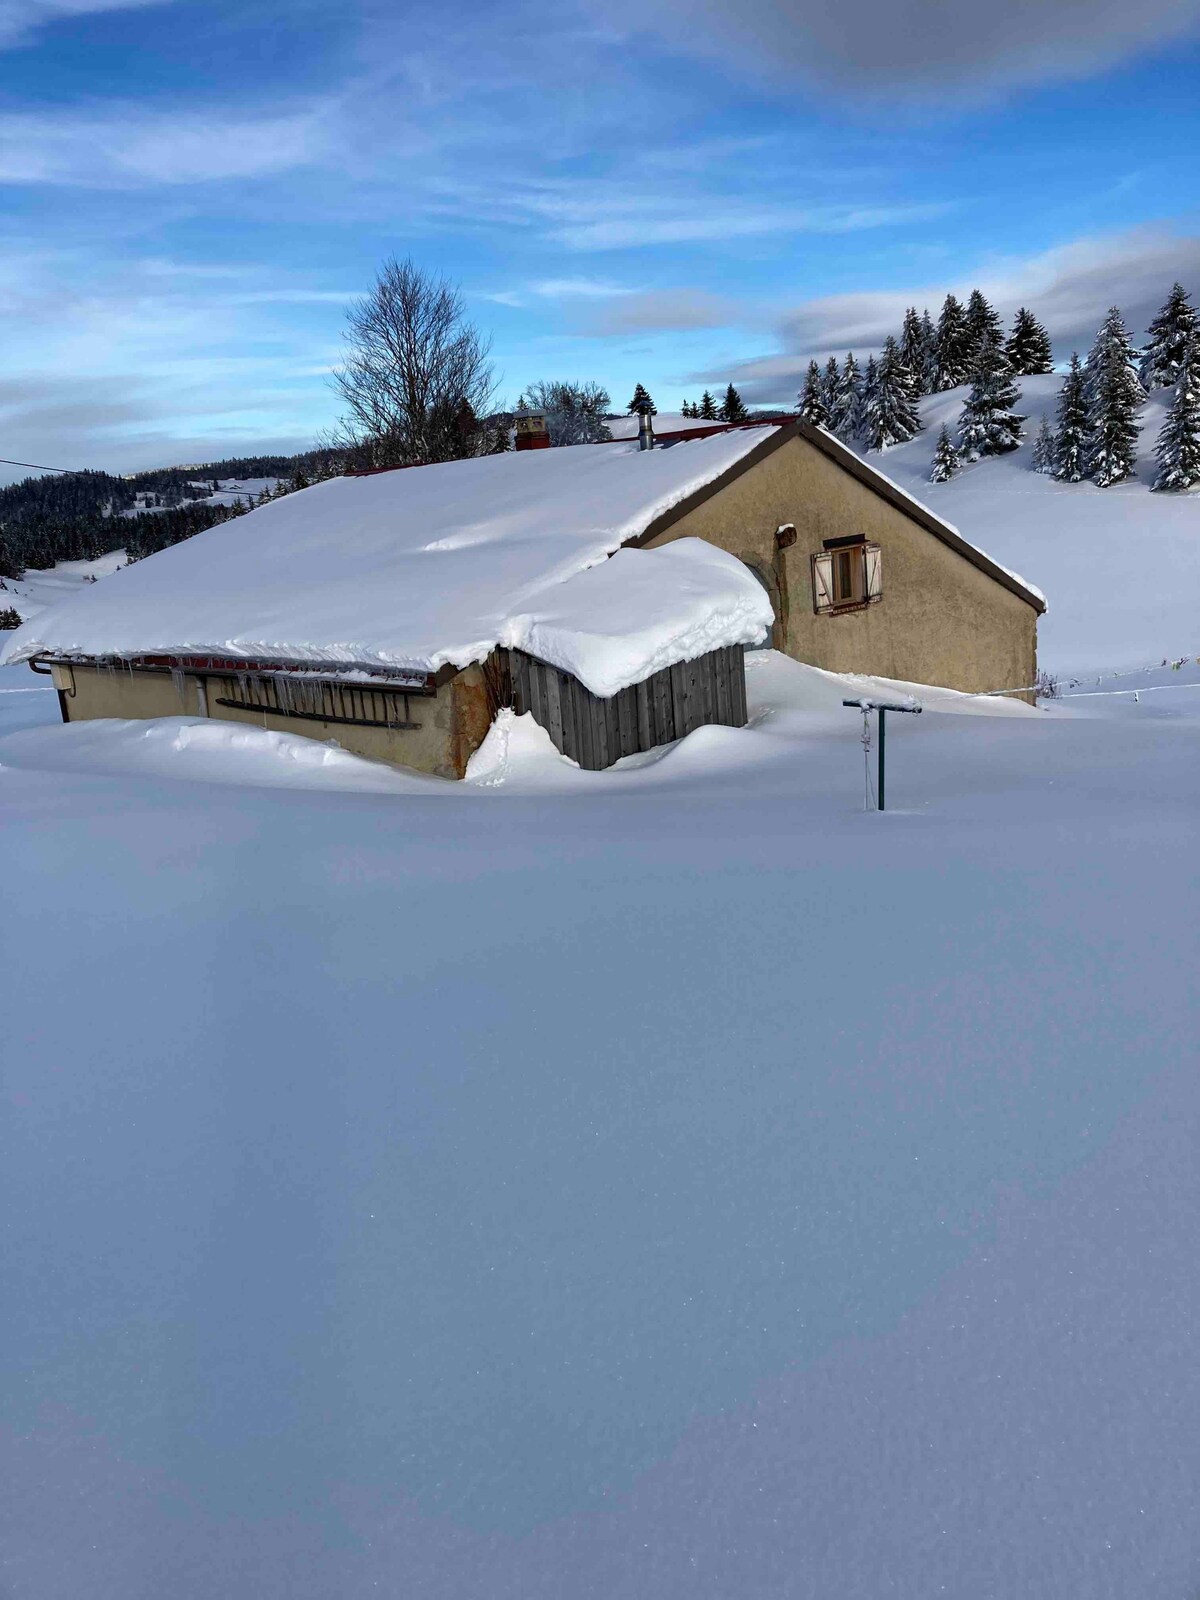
(873, 557)
(822, 582)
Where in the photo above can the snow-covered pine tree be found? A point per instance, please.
(732, 409)
(1028, 346)
(1178, 446)
(846, 416)
(952, 351)
(913, 353)
(983, 324)
(945, 458)
(1043, 448)
(708, 407)
(1071, 424)
(811, 399)
(929, 345)
(830, 379)
(1114, 394)
(1175, 327)
(988, 426)
(890, 414)
(641, 401)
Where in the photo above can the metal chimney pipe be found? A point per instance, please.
(645, 431)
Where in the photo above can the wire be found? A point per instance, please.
(37, 467)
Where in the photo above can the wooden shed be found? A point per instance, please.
(596, 731)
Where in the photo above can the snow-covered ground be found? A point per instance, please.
(666, 1182)
(36, 591)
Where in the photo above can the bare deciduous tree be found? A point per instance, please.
(417, 374)
(574, 411)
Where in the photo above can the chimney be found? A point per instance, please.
(645, 430)
(532, 432)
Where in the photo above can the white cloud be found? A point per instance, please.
(1069, 288)
(572, 288)
(120, 146)
(665, 310)
(19, 19)
(924, 49)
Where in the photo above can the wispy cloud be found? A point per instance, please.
(20, 19)
(125, 147)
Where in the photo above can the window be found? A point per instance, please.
(847, 575)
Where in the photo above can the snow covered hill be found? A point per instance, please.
(1120, 567)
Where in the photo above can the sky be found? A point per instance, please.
(681, 193)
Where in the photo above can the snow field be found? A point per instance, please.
(667, 1181)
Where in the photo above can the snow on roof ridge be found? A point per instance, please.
(420, 569)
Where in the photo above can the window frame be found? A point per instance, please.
(828, 565)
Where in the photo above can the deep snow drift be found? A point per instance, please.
(666, 1182)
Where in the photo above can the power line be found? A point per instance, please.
(37, 467)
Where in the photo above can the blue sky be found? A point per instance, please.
(680, 193)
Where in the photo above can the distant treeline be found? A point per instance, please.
(77, 516)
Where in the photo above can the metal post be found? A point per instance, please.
(883, 707)
(882, 736)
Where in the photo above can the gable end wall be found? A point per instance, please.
(941, 620)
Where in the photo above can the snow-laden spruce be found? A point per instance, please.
(1175, 327)
(1178, 447)
(1070, 437)
(890, 415)
(1028, 346)
(952, 353)
(811, 399)
(945, 458)
(988, 425)
(1114, 397)
(1043, 448)
(426, 567)
(846, 416)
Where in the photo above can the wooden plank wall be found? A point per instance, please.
(596, 732)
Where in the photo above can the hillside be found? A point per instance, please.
(1120, 567)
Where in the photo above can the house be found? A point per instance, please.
(610, 590)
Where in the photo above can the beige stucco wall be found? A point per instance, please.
(452, 723)
(941, 620)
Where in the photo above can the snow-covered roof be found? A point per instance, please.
(432, 566)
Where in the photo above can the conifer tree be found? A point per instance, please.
(1114, 394)
(988, 426)
(641, 401)
(866, 401)
(811, 399)
(929, 345)
(846, 415)
(1028, 346)
(708, 407)
(945, 458)
(913, 353)
(1070, 435)
(952, 352)
(830, 380)
(1178, 446)
(732, 409)
(1172, 331)
(1043, 448)
(983, 324)
(890, 415)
